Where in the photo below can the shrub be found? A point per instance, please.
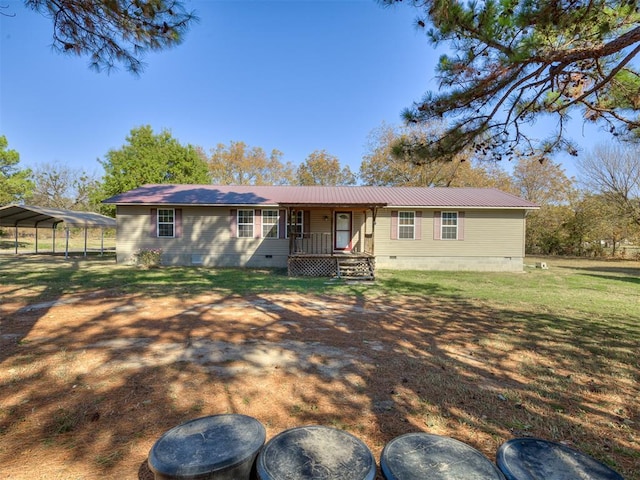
(148, 257)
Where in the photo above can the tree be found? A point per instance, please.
(482, 173)
(546, 233)
(596, 220)
(321, 168)
(114, 32)
(383, 165)
(151, 158)
(614, 172)
(545, 183)
(237, 164)
(15, 183)
(59, 186)
(514, 62)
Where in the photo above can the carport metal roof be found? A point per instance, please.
(35, 217)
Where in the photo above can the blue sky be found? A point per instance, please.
(296, 76)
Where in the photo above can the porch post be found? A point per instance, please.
(289, 232)
(333, 231)
(374, 213)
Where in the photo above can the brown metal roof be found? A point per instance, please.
(436, 197)
(27, 216)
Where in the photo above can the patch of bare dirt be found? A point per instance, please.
(89, 383)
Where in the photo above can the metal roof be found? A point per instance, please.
(226, 195)
(27, 216)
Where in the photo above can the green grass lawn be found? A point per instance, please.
(26, 242)
(599, 290)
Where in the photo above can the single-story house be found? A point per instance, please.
(318, 230)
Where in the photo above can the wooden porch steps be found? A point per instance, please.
(360, 268)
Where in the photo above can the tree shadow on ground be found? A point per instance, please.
(614, 278)
(92, 384)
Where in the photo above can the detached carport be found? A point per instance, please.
(19, 216)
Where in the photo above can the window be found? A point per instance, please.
(245, 223)
(270, 220)
(449, 226)
(297, 227)
(166, 222)
(406, 225)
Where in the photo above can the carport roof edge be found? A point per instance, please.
(30, 216)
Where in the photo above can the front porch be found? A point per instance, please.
(334, 241)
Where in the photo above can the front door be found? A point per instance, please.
(343, 231)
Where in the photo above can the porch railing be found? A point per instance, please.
(313, 244)
(322, 244)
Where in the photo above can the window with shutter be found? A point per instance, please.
(245, 223)
(166, 222)
(270, 223)
(407, 225)
(448, 225)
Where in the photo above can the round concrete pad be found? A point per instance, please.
(418, 456)
(207, 445)
(536, 459)
(315, 453)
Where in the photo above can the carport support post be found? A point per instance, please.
(16, 239)
(36, 239)
(53, 235)
(101, 241)
(66, 248)
(85, 241)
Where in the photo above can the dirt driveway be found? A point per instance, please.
(88, 383)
